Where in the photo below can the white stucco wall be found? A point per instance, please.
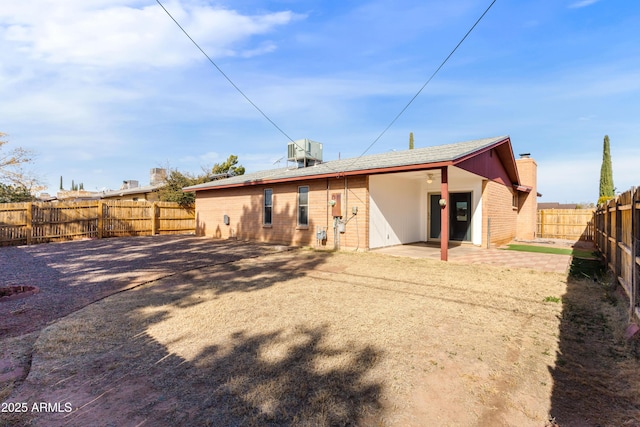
(399, 205)
(395, 213)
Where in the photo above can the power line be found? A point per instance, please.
(280, 129)
(225, 75)
(424, 85)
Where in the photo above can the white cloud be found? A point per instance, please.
(582, 3)
(120, 34)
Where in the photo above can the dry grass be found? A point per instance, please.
(308, 339)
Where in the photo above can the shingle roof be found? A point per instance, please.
(418, 156)
(134, 190)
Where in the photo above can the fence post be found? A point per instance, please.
(154, 218)
(100, 219)
(29, 222)
(635, 241)
(606, 223)
(618, 240)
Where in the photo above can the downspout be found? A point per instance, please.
(327, 206)
(346, 203)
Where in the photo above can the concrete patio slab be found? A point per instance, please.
(467, 254)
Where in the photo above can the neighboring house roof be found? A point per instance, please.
(397, 161)
(557, 205)
(63, 195)
(135, 190)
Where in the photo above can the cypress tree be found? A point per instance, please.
(607, 190)
(410, 140)
(61, 187)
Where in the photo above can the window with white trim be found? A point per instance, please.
(303, 205)
(267, 216)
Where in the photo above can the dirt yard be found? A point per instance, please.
(321, 339)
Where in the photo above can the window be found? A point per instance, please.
(303, 206)
(514, 200)
(268, 207)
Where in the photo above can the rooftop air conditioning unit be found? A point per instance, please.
(129, 184)
(305, 152)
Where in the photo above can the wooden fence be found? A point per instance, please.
(570, 224)
(41, 222)
(618, 238)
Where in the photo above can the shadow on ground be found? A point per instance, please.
(597, 372)
(71, 275)
(279, 377)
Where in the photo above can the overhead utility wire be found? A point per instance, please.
(423, 86)
(225, 75)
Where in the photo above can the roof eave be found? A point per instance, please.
(371, 171)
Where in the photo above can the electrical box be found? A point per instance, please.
(354, 210)
(336, 207)
(342, 227)
(226, 220)
(321, 234)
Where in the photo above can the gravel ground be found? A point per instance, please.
(71, 275)
(239, 334)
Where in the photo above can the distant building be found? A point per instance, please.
(131, 189)
(74, 196)
(556, 205)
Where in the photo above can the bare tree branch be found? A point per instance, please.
(12, 167)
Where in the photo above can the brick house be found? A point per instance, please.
(471, 192)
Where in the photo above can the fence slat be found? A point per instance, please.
(570, 224)
(41, 222)
(617, 237)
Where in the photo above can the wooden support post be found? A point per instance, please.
(635, 241)
(154, 218)
(444, 217)
(100, 219)
(618, 239)
(607, 227)
(29, 222)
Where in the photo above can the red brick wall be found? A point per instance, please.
(527, 202)
(244, 206)
(357, 227)
(507, 222)
(497, 205)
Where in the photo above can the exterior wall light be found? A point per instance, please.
(442, 202)
(429, 178)
(332, 202)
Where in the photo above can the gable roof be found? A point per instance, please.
(396, 161)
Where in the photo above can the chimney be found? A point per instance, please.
(528, 202)
(157, 176)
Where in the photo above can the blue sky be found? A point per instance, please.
(105, 90)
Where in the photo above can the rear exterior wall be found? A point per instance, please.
(499, 216)
(527, 202)
(245, 208)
